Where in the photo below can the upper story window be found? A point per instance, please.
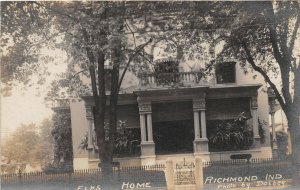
(166, 72)
(225, 72)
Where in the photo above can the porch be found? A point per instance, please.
(178, 121)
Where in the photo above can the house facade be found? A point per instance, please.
(179, 115)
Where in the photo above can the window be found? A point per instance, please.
(225, 72)
(166, 72)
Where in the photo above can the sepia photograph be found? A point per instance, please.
(158, 95)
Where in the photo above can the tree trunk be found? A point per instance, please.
(293, 124)
(99, 119)
(106, 154)
(113, 108)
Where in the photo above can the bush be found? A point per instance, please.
(58, 168)
(229, 135)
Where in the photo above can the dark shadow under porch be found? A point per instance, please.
(172, 137)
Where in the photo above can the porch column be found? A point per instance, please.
(203, 124)
(147, 145)
(196, 125)
(255, 122)
(200, 142)
(143, 127)
(149, 127)
(272, 113)
(90, 119)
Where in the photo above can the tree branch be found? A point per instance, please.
(274, 43)
(78, 73)
(294, 34)
(91, 66)
(273, 37)
(283, 60)
(131, 32)
(284, 30)
(263, 73)
(56, 11)
(137, 50)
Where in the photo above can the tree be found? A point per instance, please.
(264, 39)
(28, 146)
(90, 37)
(62, 136)
(43, 148)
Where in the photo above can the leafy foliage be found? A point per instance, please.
(29, 145)
(62, 143)
(230, 135)
(62, 135)
(83, 145)
(261, 130)
(265, 40)
(126, 140)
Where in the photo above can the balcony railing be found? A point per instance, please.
(171, 79)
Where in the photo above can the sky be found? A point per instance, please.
(27, 106)
(22, 108)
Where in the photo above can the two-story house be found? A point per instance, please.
(172, 112)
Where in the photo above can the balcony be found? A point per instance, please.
(177, 79)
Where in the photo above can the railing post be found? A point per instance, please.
(199, 173)
(170, 174)
(19, 176)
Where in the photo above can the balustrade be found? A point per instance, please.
(171, 79)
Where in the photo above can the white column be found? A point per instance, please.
(201, 141)
(90, 120)
(273, 125)
(149, 127)
(255, 122)
(254, 116)
(203, 124)
(196, 125)
(272, 112)
(90, 134)
(143, 128)
(147, 145)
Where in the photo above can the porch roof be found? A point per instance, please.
(184, 93)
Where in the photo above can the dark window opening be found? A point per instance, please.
(225, 72)
(166, 72)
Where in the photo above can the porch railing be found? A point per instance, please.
(171, 79)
